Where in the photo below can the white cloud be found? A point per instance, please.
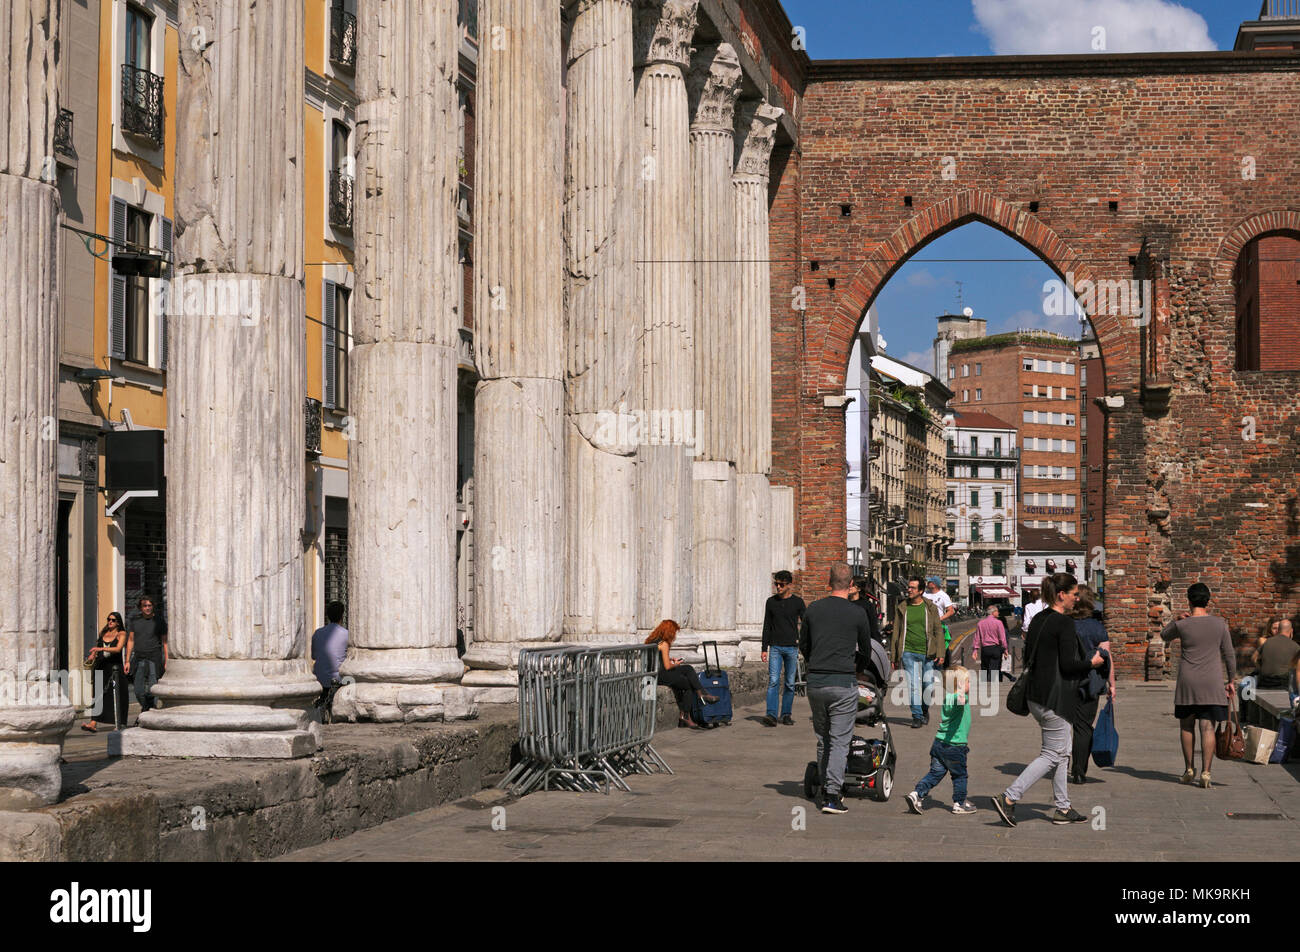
(1066, 324)
(920, 359)
(1090, 26)
(921, 279)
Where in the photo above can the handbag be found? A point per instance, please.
(1105, 739)
(1018, 696)
(1229, 741)
(88, 662)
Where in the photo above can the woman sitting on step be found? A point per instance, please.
(680, 677)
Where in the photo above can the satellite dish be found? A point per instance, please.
(880, 343)
(968, 311)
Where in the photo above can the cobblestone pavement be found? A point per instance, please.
(737, 794)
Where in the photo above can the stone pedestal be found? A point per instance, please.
(753, 558)
(714, 550)
(239, 683)
(402, 392)
(518, 337)
(782, 534)
(34, 710)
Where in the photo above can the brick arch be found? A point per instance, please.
(1252, 228)
(889, 255)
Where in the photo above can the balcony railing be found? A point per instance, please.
(142, 104)
(984, 452)
(1280, 10)
(63, 134)
(343, 39)
(340, 200)
(312, 419)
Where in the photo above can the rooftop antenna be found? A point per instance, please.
(959, 297)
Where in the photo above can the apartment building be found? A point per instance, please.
(981, 505)
(1031, 378)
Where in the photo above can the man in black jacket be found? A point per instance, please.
(834, 630)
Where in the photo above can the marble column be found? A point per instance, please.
(782, 528)
(34, 709)
(664, 249)
(402, 392)
(238, 683)
(714, 85)
(518, 342)
(757, 125)
(602, 328)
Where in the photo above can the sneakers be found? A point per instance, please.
(916, 722)
(1066, 817)
(1205, 780)
(1007, 808)
(914, 802)
(769, 720)
(963, 808)
(787, 720)
(833, 803)
(1189, 775)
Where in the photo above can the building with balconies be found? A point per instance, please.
(982, 476)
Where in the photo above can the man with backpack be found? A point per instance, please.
(834, 629)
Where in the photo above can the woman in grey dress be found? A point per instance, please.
(1205, 679)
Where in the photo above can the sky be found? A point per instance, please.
(1007, 293)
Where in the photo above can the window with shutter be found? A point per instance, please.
(117, 285)
(165, 243)
(328, 361)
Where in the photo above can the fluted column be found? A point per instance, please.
(664, 247)
(34, 710)
(518, 341)
(238, 684)
(714, 84)
(402, 457)
(602, 329)
(757, 126)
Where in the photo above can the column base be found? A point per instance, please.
(485, 656)
(397, 702)
(689, 647)
(751, 643)
(31, 746)
(259, 745)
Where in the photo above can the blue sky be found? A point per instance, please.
(1007, 293)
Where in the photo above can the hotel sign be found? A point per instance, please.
(1050, 510)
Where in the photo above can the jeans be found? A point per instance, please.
(918, 669)
(779, 656)
(1055, 755)
(833, 710)
(145, 673)
(945, 759)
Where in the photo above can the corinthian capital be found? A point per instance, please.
(757, 126)
(663, 32)
(714, 86)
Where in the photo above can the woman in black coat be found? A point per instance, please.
(1055, 664)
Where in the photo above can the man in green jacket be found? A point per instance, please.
(916, 645)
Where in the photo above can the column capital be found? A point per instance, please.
(663, 32)
(756, 121)
(714, 87)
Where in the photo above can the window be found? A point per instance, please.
(975, 498)
(997, 446)
(974, 446)
(952, 531)
(965, 370)
(979, 393)
(336, 339)
(341, 176)
(952, 497)
(974, 537)
(1083, 375)
(137, 324)
(954, 565)
(979, 369)
(952, 372)
(997, 567)
(1028, 363)
(997, 532)
(137, 291)
(965, 396)
(997, 500)
(139, 33)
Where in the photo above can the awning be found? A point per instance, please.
(996, 591)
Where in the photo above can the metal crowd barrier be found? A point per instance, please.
(586, 718)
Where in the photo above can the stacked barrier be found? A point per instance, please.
(586, 718)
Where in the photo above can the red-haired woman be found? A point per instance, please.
(680, 677)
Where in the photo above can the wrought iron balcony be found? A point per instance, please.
(340, 200)
(312, 419)
(343, 38)
(983, 452)
(63, 134)
(142, 104)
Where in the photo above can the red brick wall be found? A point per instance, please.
(1278, 288)
(1180, 476)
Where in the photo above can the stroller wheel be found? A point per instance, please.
(811, 780)
(884, 784)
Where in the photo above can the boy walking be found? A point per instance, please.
(949, 751)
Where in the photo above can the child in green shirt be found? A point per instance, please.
(949, 751)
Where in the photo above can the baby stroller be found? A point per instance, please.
(872, 762)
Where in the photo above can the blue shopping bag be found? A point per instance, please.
(1105, 739)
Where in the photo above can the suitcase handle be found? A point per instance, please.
(704, 647)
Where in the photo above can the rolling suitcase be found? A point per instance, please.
(714, 681)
